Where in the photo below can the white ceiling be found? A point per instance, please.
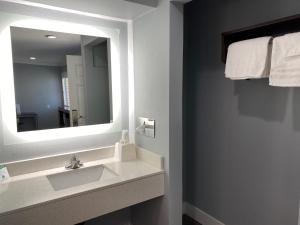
(124, 9)
(28, 43)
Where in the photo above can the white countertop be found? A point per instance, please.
(30, 190)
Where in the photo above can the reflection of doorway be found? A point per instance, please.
(77, 90)
(95, 52)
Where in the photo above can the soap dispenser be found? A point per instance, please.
(125, 138)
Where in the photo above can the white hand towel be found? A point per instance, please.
(285, 64)
(249, 59)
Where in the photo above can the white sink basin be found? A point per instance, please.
(85, 175)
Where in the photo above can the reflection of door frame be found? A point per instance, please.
(74, 95)
(86, 50)
(109, 78)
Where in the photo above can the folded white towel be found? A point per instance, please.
(249, 59)
(285, 64)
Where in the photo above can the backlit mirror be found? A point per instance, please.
(61, 79)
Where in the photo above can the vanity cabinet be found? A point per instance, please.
(84, 206)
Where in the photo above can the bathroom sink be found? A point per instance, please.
(85, 175)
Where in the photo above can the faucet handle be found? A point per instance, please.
(74, 158)
(74, 163)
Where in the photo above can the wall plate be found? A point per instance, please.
(146, 127)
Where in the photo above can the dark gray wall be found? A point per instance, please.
(241, 138)
(39, 89)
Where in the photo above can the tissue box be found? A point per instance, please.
(125, 152)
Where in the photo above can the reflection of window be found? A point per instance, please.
(65, 86)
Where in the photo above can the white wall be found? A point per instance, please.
(175, 98)
(12, 12)
(158, 83)
(151, 69)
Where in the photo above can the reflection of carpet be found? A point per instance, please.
(186, 220)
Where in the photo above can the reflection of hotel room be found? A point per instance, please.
(39, 97)
(42, 81)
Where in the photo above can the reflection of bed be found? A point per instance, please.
(64, 117)
(27, 121)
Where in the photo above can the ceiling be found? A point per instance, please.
(153, 3)
(28, 43)
(124, 9)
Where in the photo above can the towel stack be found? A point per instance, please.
(262, 58)
(285, 69)
(249, 59)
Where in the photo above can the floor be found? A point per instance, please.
(186, 220)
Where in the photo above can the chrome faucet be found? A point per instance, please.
(74, 163)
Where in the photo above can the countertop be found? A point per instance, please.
(30, 190)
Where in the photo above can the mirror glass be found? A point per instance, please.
(61, 79)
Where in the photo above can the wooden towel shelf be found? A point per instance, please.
(271, 28)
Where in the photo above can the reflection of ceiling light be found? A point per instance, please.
(32, 58)
(50, 36)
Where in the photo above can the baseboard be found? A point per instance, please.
(200, 216)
